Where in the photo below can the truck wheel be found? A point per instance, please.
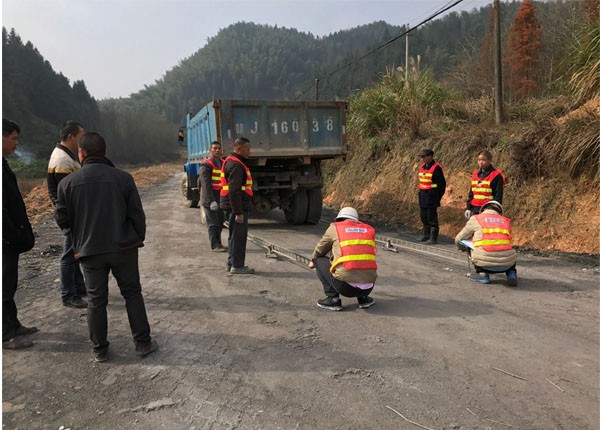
(184, 191)
(315, 205)
(296, 214)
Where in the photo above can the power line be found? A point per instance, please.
(383, 45)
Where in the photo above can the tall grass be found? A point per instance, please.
(584, 62)
(397, 105)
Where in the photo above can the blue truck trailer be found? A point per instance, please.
(289, 140)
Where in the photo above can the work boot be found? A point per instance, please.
(75, 302)
(365, 302)
(242, 270)
(23, 331)
(145, 349)
(331, 303)
(426, 234)
(511, 275)
(434, 236)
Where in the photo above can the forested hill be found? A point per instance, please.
(37, 97)
(251, 61)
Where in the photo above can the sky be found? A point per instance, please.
(119, 46)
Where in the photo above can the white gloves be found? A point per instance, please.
(468, 214)
(214, 206)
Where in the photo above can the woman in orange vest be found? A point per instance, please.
(210, 189)
(432, 186)
(488, 238)
(352, 269)
(487, 183)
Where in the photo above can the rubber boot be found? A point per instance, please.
(426, 234)
(434, 235)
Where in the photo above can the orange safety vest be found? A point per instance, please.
(425, 176)
(357, 243)
(247, 187)
(482, 188)
(216, 173)
(496, 232)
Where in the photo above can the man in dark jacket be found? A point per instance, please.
(210, 184)
(236, 198)
(102, 207)
(17, 237)
(432, 186)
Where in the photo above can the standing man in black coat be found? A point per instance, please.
(432, 186)
(236, 198)
(17, 237)
(101, 206)
(210, 184)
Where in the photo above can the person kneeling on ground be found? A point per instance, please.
(352, 270)
(492, 251)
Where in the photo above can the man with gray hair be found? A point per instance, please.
(63, 162)
(352, 270)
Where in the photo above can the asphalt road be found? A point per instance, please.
(254, 351)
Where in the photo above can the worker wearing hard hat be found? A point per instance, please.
(432, 186)
(491, 250)
(351, 271)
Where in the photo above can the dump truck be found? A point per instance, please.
(289, 140)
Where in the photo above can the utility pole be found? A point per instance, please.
(498, 64)
(317, 89)
(406, 58)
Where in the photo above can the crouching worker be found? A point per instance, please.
(352, 270)
(491, 251)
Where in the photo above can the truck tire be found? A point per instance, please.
(296, 214)
(315, 205)
(184, 191)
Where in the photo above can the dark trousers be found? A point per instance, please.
(71, 279)
(10, 278)
(238, 237)
(124, 267)
(334, 287)
(429, 217)
(214, 220)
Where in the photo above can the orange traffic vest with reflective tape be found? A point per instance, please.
(425, 176)
(482, 188)
(216, 173)
(496, 232)
(357, 243)
(247, 187)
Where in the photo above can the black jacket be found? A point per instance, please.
(432, 198)
(102, 207)
(207, 194)
(236, 201)
(497, 186)
(17, 235)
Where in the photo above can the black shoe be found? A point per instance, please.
(219, 248)
(365, 302)
(331, 303)
(23, 331)
(144, 350)
(15, 343)
(228, 267)
(433, 241)
(75, 302)
(423, 238)
(242, 270)
(100, 356)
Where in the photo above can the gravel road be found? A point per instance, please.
(254, 351)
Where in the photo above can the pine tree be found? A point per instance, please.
(523, 47)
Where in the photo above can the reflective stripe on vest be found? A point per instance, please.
(425, 176)
(247, 187)
(357, 244)
(482, 188)
(215, 177)
(496, 232)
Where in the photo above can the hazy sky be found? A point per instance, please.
(118, 46)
